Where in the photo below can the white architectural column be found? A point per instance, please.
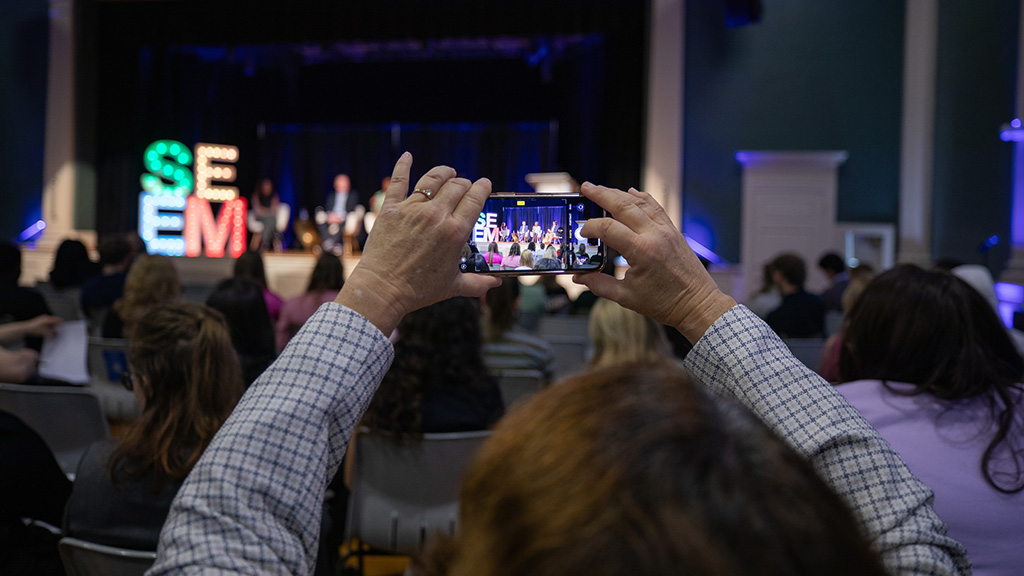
(59, 149)
(789, 205)
(917, 147)
(663, 149)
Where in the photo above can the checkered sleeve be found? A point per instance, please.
(252, 504)
(740, 356)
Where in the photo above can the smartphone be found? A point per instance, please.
(531, 233)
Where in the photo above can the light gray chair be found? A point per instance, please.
(402, 494)
(83, 558)
(833, 322)
(577, 326)
(64, 303)
(517, 385)
(68, 419)
(570, 353)
(807, 350)
(108, 358)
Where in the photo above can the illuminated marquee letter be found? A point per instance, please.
(209, 158)
(167, 163)
(162, 213)
(486, 229)
(201, 226)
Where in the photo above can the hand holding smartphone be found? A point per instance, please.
(531, 233)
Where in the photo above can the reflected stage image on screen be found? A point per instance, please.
(533, 233)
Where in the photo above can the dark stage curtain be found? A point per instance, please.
(303, 159)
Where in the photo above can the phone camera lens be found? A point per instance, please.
(462, 266)
(579, 207)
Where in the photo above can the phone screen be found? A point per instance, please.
(519, 234)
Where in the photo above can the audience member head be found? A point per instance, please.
(187, 379)
(514, 250)
(622, 336)
(860, 277)
(241, 302)
(10, 263)
(767, 283)
(438, 347)
(581, 250)
(328, 274)
(532, 246)
(526, 260)
(115, 253)
(832, 264)
(636, 470)
(342, 183)
(550, 252)
(152, 280)
(932, 330)
(492, 248)
(789, 273)
(502, 303)
(250, 265)
(71, 265)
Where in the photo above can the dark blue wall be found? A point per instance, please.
(23, 57)
(977, 56)
(810, 76)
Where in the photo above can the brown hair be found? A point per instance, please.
(151, 280)
(636, 470)
(933, 330)
(181, 356)
(792, 268)
(328, 274)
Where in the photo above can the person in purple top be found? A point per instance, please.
(926, 361)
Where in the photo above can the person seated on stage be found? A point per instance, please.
(926, 360)
(549, 261)
(536, 233)
(801, 314)
(506, 346)
(620, 336)
(186, 379)
(33, 492)
(526, 260)
(503, 232)
(241, 302)
(637, 471)
(250, 265)
(17, 302)
(265, 205)
(19, 366)
(151, 281)
(524, 232)
(378, 197)
(493, 256)
(327, 279)
(100, 292)
(511, 261)
(331, 219)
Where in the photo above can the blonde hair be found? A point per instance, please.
(550, 252)
(621, 336)
(526, 259)
(151, 280)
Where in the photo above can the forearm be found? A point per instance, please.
(253, 503)
(740, 356)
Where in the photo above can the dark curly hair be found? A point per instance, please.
(438, 347)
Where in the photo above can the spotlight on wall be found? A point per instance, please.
(32, 231)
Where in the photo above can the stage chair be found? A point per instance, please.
(68, 419)
(353, 226)
(517, 385)
(806, 350)
(402, 494)
(83, 558)
(108, 358)
(284, 214)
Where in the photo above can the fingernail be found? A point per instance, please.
(405, 155)
(631, 189)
